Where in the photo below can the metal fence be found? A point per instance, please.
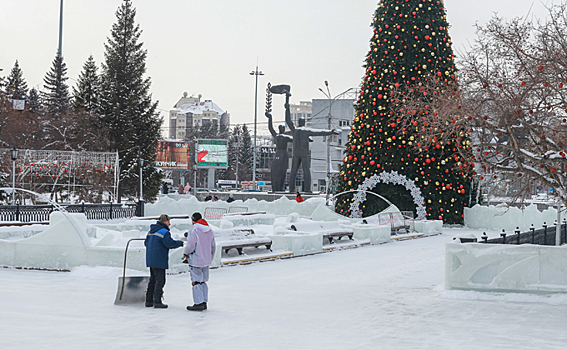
(40, 213)
(542, 236)
(214, 213)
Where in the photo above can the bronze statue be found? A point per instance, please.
(301, 137)
(281, 160)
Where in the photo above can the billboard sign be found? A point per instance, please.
(212, 153)
(173, 155)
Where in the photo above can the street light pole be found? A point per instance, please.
(255, 73)
(329, 116)
(60, 50)
(141, 185)
(237, 159)
(328, 179)
(328, 161)
(14, 155)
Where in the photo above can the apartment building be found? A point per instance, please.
(190, 112)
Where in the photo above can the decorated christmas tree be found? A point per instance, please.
(386, 152)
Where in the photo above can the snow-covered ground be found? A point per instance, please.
(387, 296)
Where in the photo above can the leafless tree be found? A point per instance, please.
(509, 109)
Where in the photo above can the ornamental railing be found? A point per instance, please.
(40, 213)
(546, 235)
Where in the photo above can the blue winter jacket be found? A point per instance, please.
(158, 243)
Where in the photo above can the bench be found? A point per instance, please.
(243, 243)
(237, 209)
(330, 230)
(397, 221)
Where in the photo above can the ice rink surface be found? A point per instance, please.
(387, 296)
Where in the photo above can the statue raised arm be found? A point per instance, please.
(271, 125)
(288, 116)
(284, 90)
(281, 159)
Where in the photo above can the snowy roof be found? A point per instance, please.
(200, 107)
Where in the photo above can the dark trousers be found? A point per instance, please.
(155, 286)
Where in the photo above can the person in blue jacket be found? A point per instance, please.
(158, 243)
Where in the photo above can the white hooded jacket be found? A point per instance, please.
(200, 245)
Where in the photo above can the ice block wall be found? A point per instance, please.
(187, 206)
(508, 218)
(506, 268)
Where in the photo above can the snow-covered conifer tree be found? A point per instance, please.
(34, 102)
(126, 104)
(88, 87)
(16, 86)
(56, 97)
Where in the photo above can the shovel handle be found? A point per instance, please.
(124, 270)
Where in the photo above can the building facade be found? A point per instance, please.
(302, 110)
(190, 112)
(340, 113)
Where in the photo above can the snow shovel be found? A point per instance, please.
(131, 290)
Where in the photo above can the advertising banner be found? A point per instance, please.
(212, 153)
(173, 155)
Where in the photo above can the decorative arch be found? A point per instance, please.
(392, 177)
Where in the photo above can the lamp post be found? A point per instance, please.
(328, 163)
(141, 187)
(60, 50)
(237, 160)
(329, 116)
(255, 73)
(14, 155)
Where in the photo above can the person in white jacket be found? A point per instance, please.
(199, 253)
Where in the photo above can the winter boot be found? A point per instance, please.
(149, 300)
(197, 307)
(158, 303)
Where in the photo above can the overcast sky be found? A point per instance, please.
(209, 47)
